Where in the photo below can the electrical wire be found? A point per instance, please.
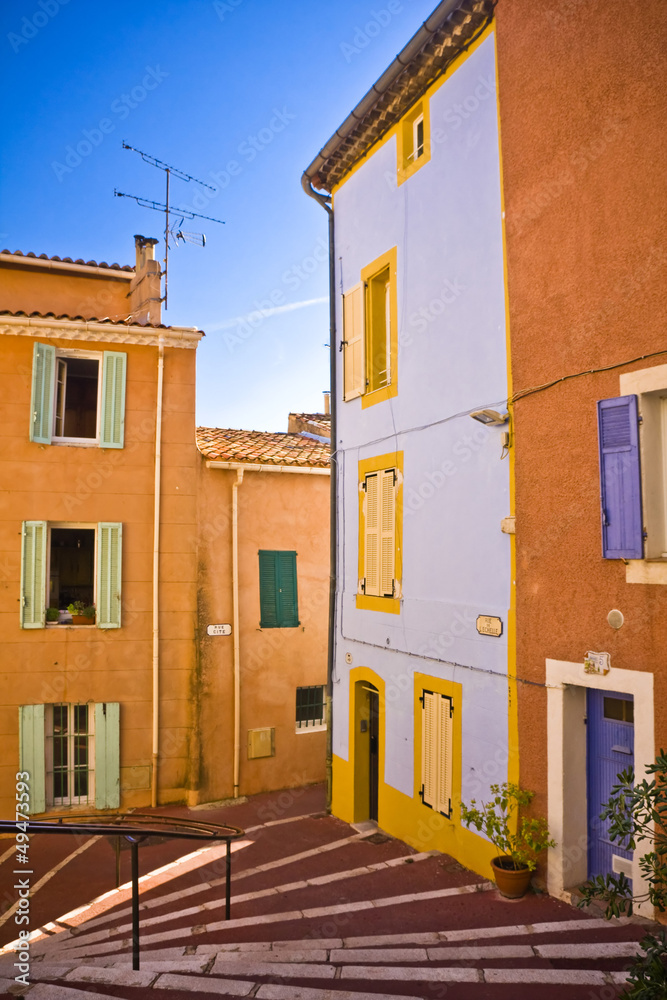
(522, 393)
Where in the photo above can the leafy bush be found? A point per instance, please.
(495, 819)
(638, 815)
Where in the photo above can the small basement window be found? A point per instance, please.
(71, 567)
(77, 394)
(310, 702)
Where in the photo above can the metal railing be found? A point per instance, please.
(135, 828)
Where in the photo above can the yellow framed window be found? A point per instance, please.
(413, 140)
(436, 751)
(380, 492)
(370, 333)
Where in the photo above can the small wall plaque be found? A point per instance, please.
(597, 663)
(218, 630)
(489, 625)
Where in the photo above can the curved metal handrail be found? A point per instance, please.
(135, 828)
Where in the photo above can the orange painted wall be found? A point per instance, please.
(583, 109)
(276, 511)
(45, 288)
(87, 484)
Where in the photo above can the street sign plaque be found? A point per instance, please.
(218, 629)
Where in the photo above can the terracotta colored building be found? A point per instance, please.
(107, 504)
(263, 568)
(583, 111)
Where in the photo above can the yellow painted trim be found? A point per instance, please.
(390, 605)
(425, 682)
(407, 167)
(401, 815)
(388, 259)
(512, 686)
(393, 460)
(426, 96)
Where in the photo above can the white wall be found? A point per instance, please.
(446, 222)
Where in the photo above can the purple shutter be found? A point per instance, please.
(620, 479)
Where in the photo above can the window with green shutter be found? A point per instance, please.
(109, 566)
(33, 574)
(77, 397)
(278, 589)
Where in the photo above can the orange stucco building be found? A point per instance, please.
(582, 112)
(109, 507)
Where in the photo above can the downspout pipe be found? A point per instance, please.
(326, 204)
(235, 629)
(156, 569)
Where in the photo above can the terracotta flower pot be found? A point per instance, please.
(512, 883)
(82, 620)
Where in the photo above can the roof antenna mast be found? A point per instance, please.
(174, 230)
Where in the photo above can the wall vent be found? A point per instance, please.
(261, 743)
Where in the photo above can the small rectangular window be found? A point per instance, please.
(619, 709)
(378, 312)
(310, 703)
(70, 754)
(71, 567)
(278, 600)
(418, 137)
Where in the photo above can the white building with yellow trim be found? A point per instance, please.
(424, 709)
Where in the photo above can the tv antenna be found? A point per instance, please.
(173, 230)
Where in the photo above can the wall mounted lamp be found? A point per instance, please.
(490, 417)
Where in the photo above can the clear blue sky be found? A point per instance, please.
(198, 84)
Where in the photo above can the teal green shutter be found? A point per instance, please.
(268, 590)
(288, 612)
(114, 367)
(41, 402)
(31, 754)
(277, 589)
(109, 559)
(33, 574)
(107, 755)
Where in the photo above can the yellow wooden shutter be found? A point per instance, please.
(353, 342)
(371, 535)
(387, 532)
(436, 762)
(444, 789)
(429, 758)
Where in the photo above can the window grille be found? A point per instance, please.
(70, 755)
(310, 706)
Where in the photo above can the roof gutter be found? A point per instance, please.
(250, 467)
(403, 59)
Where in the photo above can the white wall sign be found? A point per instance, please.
(597, 663)
(218, 629)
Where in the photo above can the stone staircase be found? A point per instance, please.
(322, 911)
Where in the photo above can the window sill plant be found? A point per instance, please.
(82, 614)
(514, 867)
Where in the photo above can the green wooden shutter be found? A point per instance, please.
(109, 560)
(31, 754)
(41, 402)
(268, 590)
(33, 574)
(288, 611)
(114, 368)
(107, 755)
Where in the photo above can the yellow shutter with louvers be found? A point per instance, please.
(371, 535)
(429, 758)
(353, 343)
(387, 532)
(436, 763)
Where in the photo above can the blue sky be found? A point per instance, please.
(239, 93)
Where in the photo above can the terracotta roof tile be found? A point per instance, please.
(68, 260)
(82, 319)
(262, 447)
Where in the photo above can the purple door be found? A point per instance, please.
(610, 750)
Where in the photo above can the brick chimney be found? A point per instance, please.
(145, 287)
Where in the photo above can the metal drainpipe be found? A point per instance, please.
(156, 568)
(235, 628)
(324, 201)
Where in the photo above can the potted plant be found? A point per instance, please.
(52, 615)
(81, 613)
(514, 867)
